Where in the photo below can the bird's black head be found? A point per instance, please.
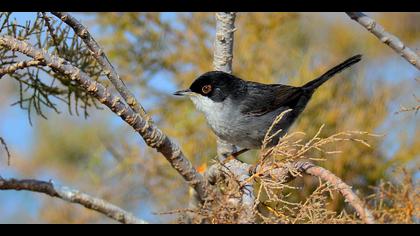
(216, 85)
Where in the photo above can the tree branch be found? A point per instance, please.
(3, 143)
(283, 175)
(51, 30)
(153, 136)
(240, 171)
(223, 44)
(73, 196)
(343, 188)
(385, 37)
(18, 66)
(102, 59)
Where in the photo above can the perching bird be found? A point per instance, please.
(240, 112)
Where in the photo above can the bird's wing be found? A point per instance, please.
(264, 98)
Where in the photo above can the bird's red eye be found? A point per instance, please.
(206, 89)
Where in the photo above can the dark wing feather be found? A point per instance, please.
(264, 98)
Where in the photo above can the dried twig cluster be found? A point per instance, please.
(270, 178)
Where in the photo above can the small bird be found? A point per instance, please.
(240, 112)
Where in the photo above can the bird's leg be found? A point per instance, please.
(235, 155)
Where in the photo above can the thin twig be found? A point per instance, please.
(73, 196)
(99, 54)
(385, 37)
(51, 30)
(405, 109)
(414, 108)
(6, 149)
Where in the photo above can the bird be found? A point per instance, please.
(240, 112)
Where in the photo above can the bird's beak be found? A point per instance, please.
(185, 92)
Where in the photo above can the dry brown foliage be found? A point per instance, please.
(392, 203)
(397, 202)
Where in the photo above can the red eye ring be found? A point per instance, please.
(206, 89)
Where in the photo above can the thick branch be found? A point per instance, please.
(385, 37)
(73, 196)
(103, 61)
(223, 44)
(241, 174)
(153, 136)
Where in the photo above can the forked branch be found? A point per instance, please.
(152, 135)
(99, 54)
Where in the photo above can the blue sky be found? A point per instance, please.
(15, 129)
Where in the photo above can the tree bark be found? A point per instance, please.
(73, 196)
(392, 41)
(151, 134)
(100, 56)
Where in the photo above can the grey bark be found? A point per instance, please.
(99, 54)
(151, 134)
(223, 44)
(73, 196)
(343, 188)
(392, 41)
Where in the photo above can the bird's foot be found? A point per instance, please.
(235, 155)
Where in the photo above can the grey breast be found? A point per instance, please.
(243, 130)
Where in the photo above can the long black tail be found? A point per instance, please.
(312, 85)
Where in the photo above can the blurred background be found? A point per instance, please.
(159, 53)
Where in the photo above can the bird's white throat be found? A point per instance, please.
(205, 104)
(216, 117)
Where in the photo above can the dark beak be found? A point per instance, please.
(183, 92)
